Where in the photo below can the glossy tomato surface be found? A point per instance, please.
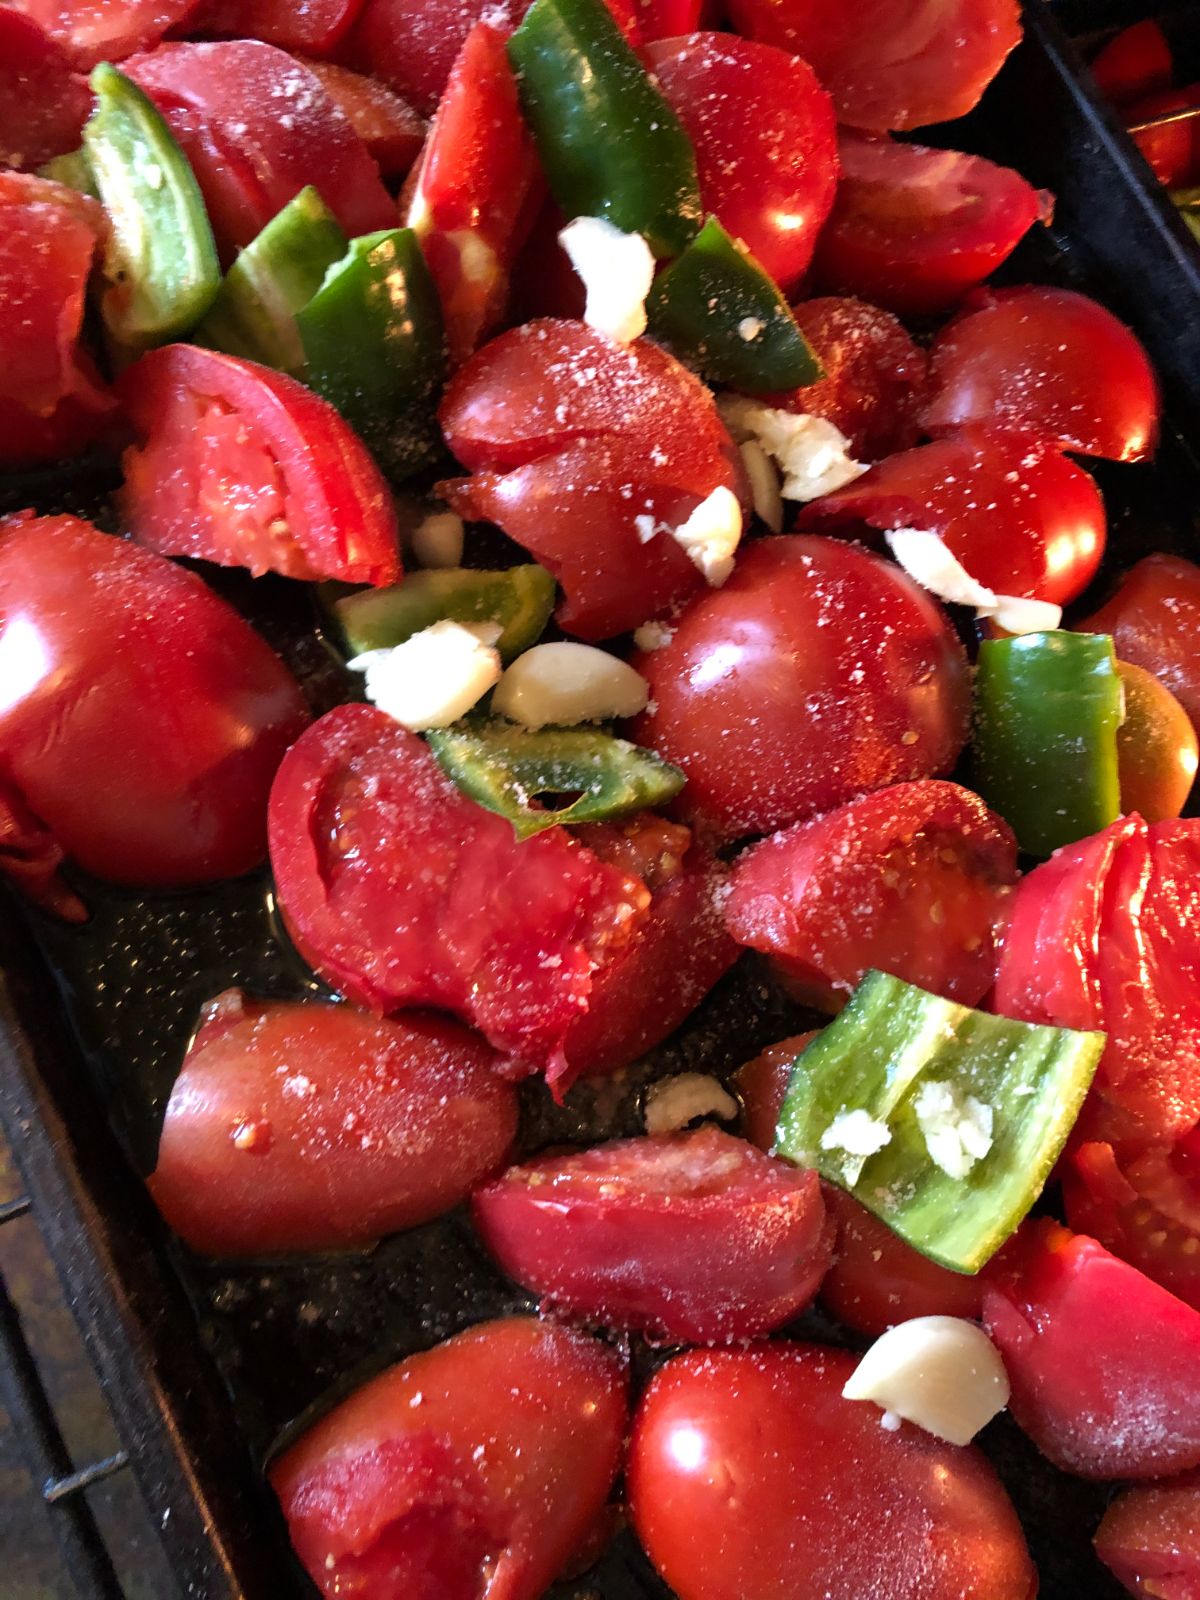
(1104, 1365)
(105, 30)
(1150, 1537)
(391, 130)
(1157, 749)
(44, 102)
(472, 1471)
(315, 28)
(303, 1126)
(762, 1085)
(816, 673)
(1049, 364)
(749, 1474)
(143, 719)
(1171, 149)
(913, 228)
(1154, 619)
(246, 467)
(694, 1237)
(763, 131)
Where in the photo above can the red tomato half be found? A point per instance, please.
(892, 63)
(912, 880)
(314, 28)
(1154, 619)
(389, 127)
(694, 1237)
(762, 1085)
(44, 103)
(1134, 62)
(913, 229)
(817, 672)
(244, 466)
(1104, 1365)
(749, 1474)
(473, 1471)
(105, 30)
(1172, 150)
(1150, 1538)
(257, 126)
(1019, 516)
(765, 142)
(143, 719)
(1048, 363)
(300, 1126)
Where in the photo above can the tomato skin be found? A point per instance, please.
(44, 103)
(749, 1474)
(99, 30)
(1047, 363)
(413, 1490)
(179, 730)
(315, 28)
(245, 466)
(1154, 619)
(1019, 516)
(1131, 1409)
(1172, 151)
(801, 625)
(694, 1237)
(913, 229)
(391, 130)
(1150, 1538)
(301, 1126)
(911, 879)
(1157, 749)
(1134, 62)
(762, 1085)
(412, 44)
(766, 146)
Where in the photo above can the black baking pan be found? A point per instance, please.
(208, 1366)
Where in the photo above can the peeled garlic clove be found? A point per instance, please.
(566, 683)
(437, 541)
(672, 1103)
(435, 677)
(943, 1373)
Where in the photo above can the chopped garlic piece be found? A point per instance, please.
(943, 1373)
(653, 635)
(438, 540)
(566, 683)
(674, 1102)
(859, 1135)
(711, 535)
(813, 455)
(957, 1129)
(924, 556)
(435, 677)
(764, 484)
(617, 270)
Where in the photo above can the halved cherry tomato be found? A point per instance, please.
(1154, 619)
(142, 718)
(1019, 516)
(1134, 62)
(913, 229)
(1104, 1365)
(472, 1471)
(695, 1237)
(749, 1474)
(765, 142)
(1157, 749)
(1150, 1537)
(412, 44)
(314, 28)
(244, 466)
(105, 30)
(892, 63)
(912, 880)
(816, 673)
(762, 1085)
(257, 126)
(44, 102)
(300, 1126)
(1047, 363)
(1172, 150)
(389, 127)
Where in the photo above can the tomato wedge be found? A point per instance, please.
(412, 44)
(244, 466)
(1134, 62)
(388, 126)
(105, 30)
(1150, 1538)
(315, 28)
(913, 228)
(44, 102)
(1154, 619)
(762, 1086)
(695, 1237)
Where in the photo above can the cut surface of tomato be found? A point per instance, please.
(391, 130)
(315, 28)
(1150, 1538)
(105, 30)
(44, 102)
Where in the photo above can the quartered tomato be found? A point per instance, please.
(1157, 749)
(44, 102)
(911, 880)
(244, 466)
(913, 228)
(695, 1237)
(388, 126)
(300, 1126)
(816, 673)
(1104, 1365)
(749, 1474)
(1154, 619)
(257, 126)
(765, 142)
(1018, 516)
(142, 718)
(472, 1471)
(1150, 1537)
(1134, 62)
(105, 30)
(1046, 363)
(762, 1086)
(314, 28)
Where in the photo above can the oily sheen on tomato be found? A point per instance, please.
(471, 1471)
(303, 1126)
(749, 1474)
(816, 673)
(694, 1237)
(142, 718)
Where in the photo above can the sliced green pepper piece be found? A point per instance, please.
(1187, 202)
(510, 770)
(520, 599)
(910, 1068)
(1047, 710)
(162, 265)
(279, 271)
(609, 143)
(74, 170)
(375, 347)
(719, 310)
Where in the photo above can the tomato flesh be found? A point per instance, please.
(106, 30)
(762, 1085)
(391, 130)
(315, 28)
(44, 103)
(1150, 1537)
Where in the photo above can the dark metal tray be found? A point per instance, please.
(207, 1366)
